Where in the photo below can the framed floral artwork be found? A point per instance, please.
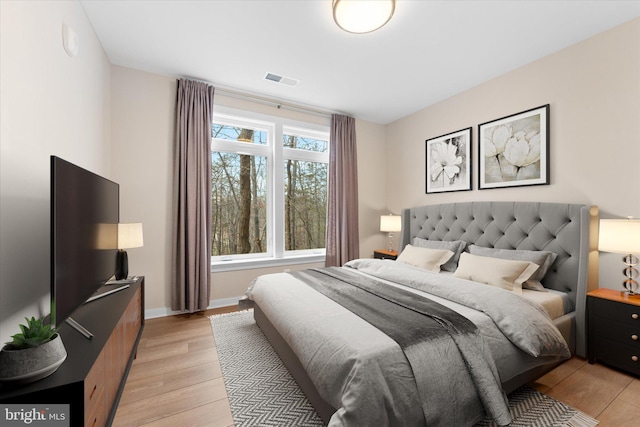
(449, 162)
(514, 151)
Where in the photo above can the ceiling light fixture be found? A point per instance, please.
(362, 16)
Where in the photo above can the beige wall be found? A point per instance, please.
(51, 103)
(593, 89)
(372, 177)
(143, 109)
(143, 126)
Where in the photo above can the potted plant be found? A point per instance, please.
(33, 354)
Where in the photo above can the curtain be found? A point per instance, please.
(191, 252)
(342, 241)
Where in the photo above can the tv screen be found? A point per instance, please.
(84, 217)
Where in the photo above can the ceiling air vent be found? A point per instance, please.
(281, 79)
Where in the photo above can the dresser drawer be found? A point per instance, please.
(620, 355)
(94, 393)
(625, 333)
(617, 311)
(96, 415)
(614, 329)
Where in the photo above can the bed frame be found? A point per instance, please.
(570, 230)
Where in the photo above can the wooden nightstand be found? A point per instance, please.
(385, 254)
(614, 329)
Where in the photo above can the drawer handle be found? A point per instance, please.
(92, 392)
(634, 316)
(634, 358)
(634, 337)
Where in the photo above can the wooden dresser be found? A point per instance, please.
(92, 377)
(614, 329)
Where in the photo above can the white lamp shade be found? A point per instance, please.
(130, 235)
(619, 236)
(390, 223)
(362, 16)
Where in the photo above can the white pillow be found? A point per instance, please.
(542, 258)
(429, 259)
(503, 273)
(456, 246)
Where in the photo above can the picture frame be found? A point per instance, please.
(514, 151)
(448, 162)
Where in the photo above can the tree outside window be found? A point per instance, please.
(258, 211)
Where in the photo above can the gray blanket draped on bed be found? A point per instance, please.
(423, 328)
(525, 323)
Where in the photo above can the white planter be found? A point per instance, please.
(32, 364)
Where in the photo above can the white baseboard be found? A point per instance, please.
(163, 312)
(224, 302)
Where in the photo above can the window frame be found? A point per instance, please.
(276, 155)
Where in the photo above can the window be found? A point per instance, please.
(268, 190)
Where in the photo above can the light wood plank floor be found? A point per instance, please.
(176, 381)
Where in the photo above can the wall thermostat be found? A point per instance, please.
(70, 40)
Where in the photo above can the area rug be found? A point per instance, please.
(263, 393)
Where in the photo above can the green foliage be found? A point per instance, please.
(34, 334)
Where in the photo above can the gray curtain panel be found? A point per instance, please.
(342, 241)
(191, 254)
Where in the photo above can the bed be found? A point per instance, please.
(354, 374)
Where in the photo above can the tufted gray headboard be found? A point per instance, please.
(557, 227)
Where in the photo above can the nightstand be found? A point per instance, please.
(614, 329)
(385, 254)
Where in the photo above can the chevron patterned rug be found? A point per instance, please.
(262, 393)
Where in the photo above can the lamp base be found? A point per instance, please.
(631, 287)
(629, 295)
(122, 265)
(390, 247)
(630, 273)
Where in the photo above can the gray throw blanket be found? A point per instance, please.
(526, 324)
(425, 331)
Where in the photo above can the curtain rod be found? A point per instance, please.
(269, 101)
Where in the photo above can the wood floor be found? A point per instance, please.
(176, 381)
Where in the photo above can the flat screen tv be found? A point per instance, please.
(84, 217)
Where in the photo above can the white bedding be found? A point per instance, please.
(552, 301)
(511, 361)
(315, 327)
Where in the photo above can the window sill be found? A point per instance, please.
(247, 264)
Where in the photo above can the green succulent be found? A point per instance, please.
(34, 334)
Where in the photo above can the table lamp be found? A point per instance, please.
(622, 236)
(129, 236)
(390, 224)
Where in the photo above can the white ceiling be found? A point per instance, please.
(429, 51)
